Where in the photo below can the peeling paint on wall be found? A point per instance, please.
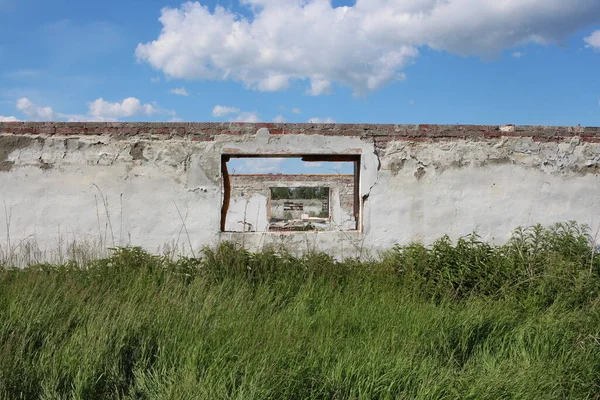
(416, 182)
(8, 145)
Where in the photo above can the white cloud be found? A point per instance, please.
(130, 107)
(296, 110)
(319, 87)
(246, 117)
(517, 54)
(155, 79)
(8, 119)
(84, 118)
(593, 40)
(279, 119)
(99, 111)
(181, 91)
(221, 111)
(256, 165)
(35, 112)
(365, 46)
(412, 103)
(327, 120)
(273, 83)
(240, 116)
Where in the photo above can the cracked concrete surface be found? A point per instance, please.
(412, 188)
(9, 145)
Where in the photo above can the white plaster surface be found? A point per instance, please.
(343, 221)
(247, 214)
(171, 191)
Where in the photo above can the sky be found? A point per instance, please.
(274, 165)
(525, 62)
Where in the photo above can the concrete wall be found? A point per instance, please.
(153, 184)
(251, 193)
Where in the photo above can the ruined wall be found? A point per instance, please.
(156, 184)
(251, 193)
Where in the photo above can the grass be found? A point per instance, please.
(453, 320)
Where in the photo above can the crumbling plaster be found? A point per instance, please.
(152, 184)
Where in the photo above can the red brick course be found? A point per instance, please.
(381, 134)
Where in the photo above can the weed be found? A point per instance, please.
(462, 319)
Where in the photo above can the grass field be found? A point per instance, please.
(454, 320)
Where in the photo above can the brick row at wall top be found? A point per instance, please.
(208, 130)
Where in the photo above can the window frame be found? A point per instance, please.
(355, 158)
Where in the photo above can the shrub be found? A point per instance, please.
(463, 319)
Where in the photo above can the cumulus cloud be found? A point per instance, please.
(130, 107)
(279, 119)
(181, 91)
(236, 114)
(319, 87)
(246, 117)
(8, 119)
(35, 112)
(593, 40)
(327, 120)
(99, 110)
(365, 46)
(296, 110)
(221, 111)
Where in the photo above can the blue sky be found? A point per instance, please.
(287, 166)
(369, 61)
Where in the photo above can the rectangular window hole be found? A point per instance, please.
(290, 193)
(299, 208)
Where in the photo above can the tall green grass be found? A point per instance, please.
(452, 320)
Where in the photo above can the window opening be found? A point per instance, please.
(291, 193)
(299, 208)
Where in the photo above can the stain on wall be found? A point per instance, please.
(9, 145)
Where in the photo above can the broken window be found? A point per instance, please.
(278, 194)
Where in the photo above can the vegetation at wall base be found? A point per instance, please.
(462, 319)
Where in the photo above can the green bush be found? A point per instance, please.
(546, 263)
(462, 319)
